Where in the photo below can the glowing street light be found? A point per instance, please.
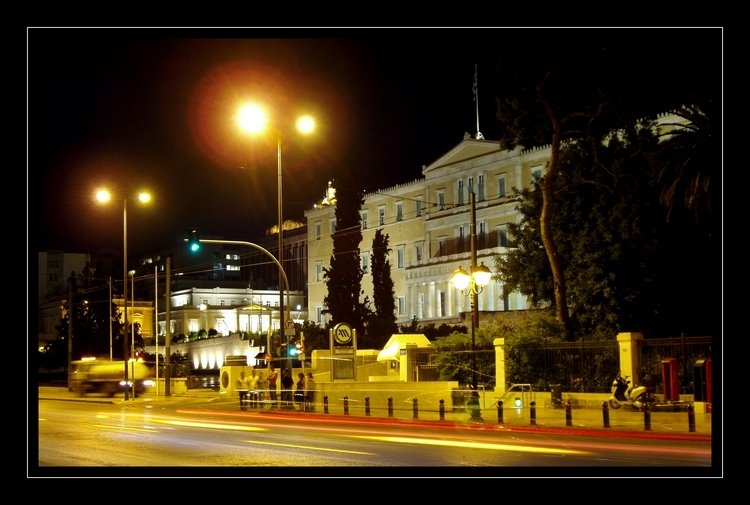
(472, 283)
(253, 119)
(104, 196)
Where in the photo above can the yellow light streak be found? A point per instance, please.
(112, 427)
(295, 446)
(214, 426)
(472, 445)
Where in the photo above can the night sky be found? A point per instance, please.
(155, 108)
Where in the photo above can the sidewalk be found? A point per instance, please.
(581, 421)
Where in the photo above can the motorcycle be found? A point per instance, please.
(623, 392)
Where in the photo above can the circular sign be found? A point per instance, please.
(343, 333)
(289, 323)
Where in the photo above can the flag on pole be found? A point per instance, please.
(474, 87)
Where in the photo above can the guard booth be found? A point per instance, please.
(670, 379)
(702, 382)
(230, 372)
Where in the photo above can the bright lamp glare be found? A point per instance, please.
(305, 124)
(144, 197)
(103, 196)
(461, 279)
(251, 118)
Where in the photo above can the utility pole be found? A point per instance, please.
(168, 330)
(71, 280)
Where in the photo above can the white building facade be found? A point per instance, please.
(428, 225)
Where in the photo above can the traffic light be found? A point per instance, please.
(194, 241)
(293, 348)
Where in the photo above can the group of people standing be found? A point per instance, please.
(303, 395)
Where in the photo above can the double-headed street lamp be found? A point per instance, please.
(252, 118)
(472, 283)
(104, 196)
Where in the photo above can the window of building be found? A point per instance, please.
(363, 218)
(537, 172)
(364, 261)
(400, 256)
(317, 231)
(471, 184)
(401, 305)
(418, 206)
(381, 215)
(461, 231)
(502, 236)
(319, 315)
(418, 251)
(480, 187)
(441, 304)
(233, 268)
(441, 199)
(332, 224)
(460, 192)
(442, 246)
(399, 211)
(318, 271)
(482, 228)
(501, 186)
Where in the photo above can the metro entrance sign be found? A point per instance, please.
(343, 342)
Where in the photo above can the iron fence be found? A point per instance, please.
(591, 366)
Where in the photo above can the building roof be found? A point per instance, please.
(392, 349)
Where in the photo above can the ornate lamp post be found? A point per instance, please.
(472, 283)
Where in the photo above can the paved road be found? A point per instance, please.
(622, 422)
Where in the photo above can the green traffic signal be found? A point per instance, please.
(194, 241)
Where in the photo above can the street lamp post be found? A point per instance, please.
(472, 283)
(132, 331)
(125, 292)
(104, 196)
(252, 118)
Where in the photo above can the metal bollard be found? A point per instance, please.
(605, 414)
(646, 417)
(532, 412)
(346, 405)
(691, 418)
(325, 404)
(390, 406)
(568, 414)
(367, 405)
(442, 410)
(415, 408)
(499, 412)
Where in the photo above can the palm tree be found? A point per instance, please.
(687, 161)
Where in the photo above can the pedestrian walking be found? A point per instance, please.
(310, 392)
(273, 376)
(287, 385)
(299, 393)
(243, 386)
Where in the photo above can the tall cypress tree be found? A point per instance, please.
(344, 277)
(382, 324)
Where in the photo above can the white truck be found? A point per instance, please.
(107, 377)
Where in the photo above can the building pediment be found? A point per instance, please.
(468, 149)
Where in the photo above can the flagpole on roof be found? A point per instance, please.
(476, 102)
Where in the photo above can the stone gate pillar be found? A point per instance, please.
(630, 362)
